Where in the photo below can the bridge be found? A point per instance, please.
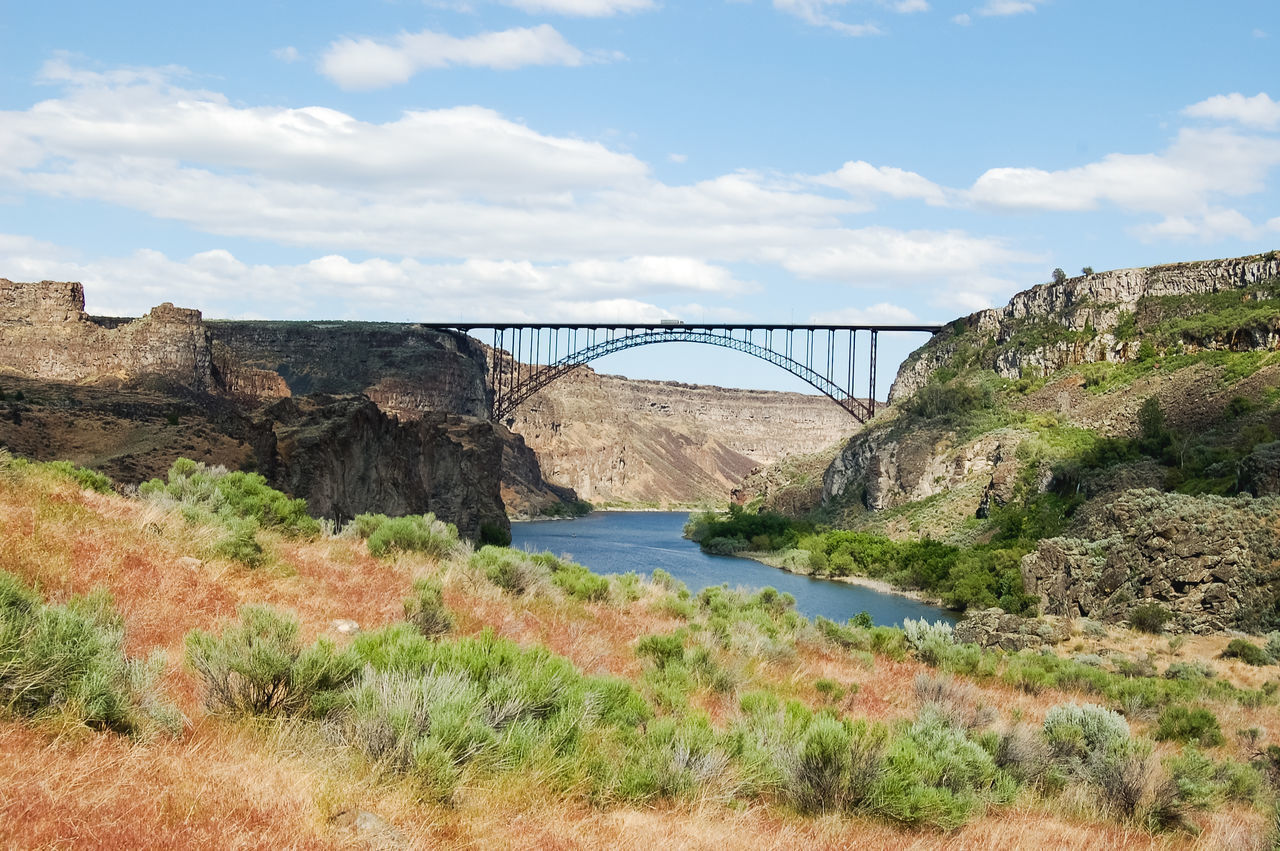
(525, 357)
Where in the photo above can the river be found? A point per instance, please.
(642, 541)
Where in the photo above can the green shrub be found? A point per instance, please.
(513, 571)
(1190, 671)
(830, 690)
(1179, 724)
(493, 534)
(258, 667)
(1077, 731)
(1149, 618)
(86, 478)
(934, 775)
(662, 649)
(211, 493)
(241, 543)
(69, 660)
(837, 765)
(431, 708)
(426, 610)
(918, 633)
(1250, 654)
(409, 534)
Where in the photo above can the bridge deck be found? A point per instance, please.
(658, 326)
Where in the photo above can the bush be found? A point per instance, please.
(1189, 671)
(836, 766)
(426, 610)
(69, 660)
(918, 633)
(935, 775)
(410, 534)
(241, 543)
(1074, 731)
(662, 649)
(88, 479)
(1250, 654)
(211, 493)
(1149, 617)
(258, 667)
(511, 570)
(1179, 724)
(429, 708)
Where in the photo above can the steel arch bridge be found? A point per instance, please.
(526, 357)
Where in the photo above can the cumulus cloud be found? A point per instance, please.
(223, 286)
(1257, 111)
(1198, 166)
(367, 63)
(862, 178)
(462, 187)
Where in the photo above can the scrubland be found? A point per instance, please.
(201, 665)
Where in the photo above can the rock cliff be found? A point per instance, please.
(1212, 562)
(132, 395)
(1054, 326)
(617, 440)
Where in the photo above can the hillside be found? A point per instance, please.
(615, 440)
(525, 703)
(1101, 444)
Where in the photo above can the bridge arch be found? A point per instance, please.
(526, 357)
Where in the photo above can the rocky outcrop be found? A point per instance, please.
(1070, 323)
(45, 333)
(525, 492)
(1211, 561)
(347, 457)
(997, 628)
(616, 440)
(407, 370)
(892, 467)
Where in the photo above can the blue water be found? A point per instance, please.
(642, 541)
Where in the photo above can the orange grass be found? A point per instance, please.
(238, 786)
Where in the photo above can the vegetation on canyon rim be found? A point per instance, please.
(480, 672)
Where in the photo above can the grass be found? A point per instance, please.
(745, 750)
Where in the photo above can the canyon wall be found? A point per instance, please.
(617, 440)
(132, 395)
(1083, 314)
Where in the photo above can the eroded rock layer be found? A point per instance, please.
(617, 440)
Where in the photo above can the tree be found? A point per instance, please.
(1059, 276)
(1087, 270)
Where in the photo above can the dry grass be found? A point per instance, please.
(244, 786)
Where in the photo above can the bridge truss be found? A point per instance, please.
(526, 357)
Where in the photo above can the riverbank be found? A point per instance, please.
(879, 585)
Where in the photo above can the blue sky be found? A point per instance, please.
(624, 160)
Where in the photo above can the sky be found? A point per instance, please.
(894, 161)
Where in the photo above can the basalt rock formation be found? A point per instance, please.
(1082, 320)
(1211, 562)
(130, 396)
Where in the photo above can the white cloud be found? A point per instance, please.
(1257, 111)
(1259, 33)
(1001, 8)
(366, 63)
(816, 12)
(223, 286)
(678, 158)
(907, 7)
(883, 313)
(581, 8)
(1208, 226)
(1198, 166)
(861, 178)
(450, 186)
(286, 54)
(962, 20)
